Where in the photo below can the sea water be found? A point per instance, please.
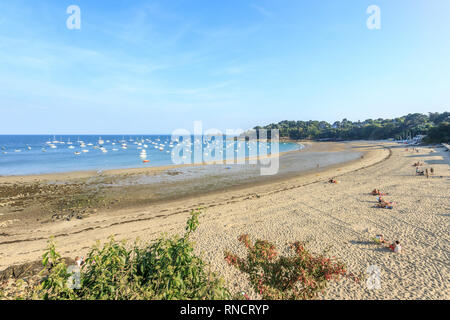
(33, 154)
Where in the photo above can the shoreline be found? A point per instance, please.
(36, 200)
(308, 146)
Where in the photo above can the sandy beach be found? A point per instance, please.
(338, 217)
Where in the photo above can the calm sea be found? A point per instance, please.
(38, 154)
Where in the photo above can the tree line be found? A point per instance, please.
(435, 125)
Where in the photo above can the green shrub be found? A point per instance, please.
(164, 269)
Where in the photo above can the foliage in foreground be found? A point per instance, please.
(165, 269)
(298, 276)
(169, 269)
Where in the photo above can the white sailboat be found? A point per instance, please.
(143, 154)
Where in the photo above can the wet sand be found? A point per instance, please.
(293, 207)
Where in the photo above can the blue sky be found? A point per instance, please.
(154, 66)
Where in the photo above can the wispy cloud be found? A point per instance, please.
(262, 11)
(142, 26)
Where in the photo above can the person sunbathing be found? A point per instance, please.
(376, 192)
(333, 181)
(384, 204)
(379, 239)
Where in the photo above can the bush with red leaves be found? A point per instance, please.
(298, 276)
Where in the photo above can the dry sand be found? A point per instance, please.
(338, 217)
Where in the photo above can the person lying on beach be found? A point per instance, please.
(417, 164)
(333, 181)
(379, 239)
(376, 192)
(396, 247)
(380, 200)
(384, 204)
